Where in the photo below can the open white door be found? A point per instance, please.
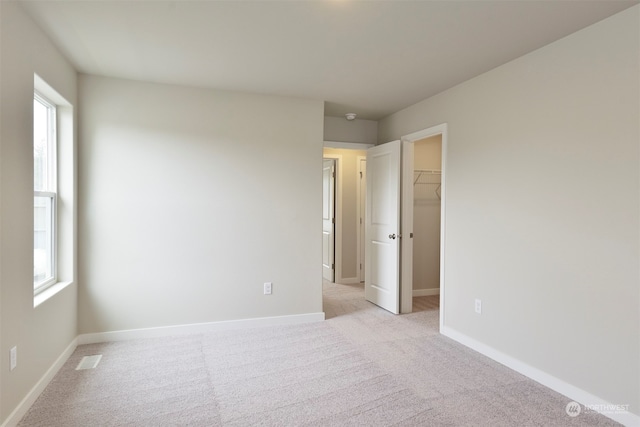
(382, 230)
(328, 219)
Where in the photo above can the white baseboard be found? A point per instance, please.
(14, 418)
(197, 328)
(570, 391)
(426, 292)
(348, 280)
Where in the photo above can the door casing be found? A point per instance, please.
(406, 250)
(362, 192)
(329, 219)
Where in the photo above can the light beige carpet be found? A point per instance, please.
(361, 367)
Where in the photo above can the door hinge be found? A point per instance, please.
(333, 174)
(333, 266)
(333, 220)
(360, 174)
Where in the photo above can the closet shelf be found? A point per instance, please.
(427, 177)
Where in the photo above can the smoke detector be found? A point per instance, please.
(350, 116)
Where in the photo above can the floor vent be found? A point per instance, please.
(89, 362)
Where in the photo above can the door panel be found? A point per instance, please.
(382, 219)
(328, 219)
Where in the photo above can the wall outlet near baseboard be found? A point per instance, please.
(267, 288)
(13, 356)
(478, 306)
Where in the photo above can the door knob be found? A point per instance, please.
(392, 236)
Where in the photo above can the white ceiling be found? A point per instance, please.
(370, 57)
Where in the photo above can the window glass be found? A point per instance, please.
(44, 200)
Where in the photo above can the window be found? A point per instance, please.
(45, 193)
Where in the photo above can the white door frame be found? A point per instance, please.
(406, 268)
(361, 192)
(337, 230)
(329, 197)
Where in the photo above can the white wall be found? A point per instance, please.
(41, 334)
(340, 129)
(191, 199)
(542, 215)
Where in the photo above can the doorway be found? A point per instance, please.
(348, 190)
(427, 186)
(433, 190)
(328, 219)
(404, 281)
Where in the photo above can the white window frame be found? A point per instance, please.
(52, 190)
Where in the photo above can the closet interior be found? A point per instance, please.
(427, 185)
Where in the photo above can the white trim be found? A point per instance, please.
(426, 292)
(570, 391)
(197, 328)
(347, 145)
(443, 218)
(416, 136)
(406, 228)
(49, 292)
(425, 133)
(337, 248)
(20, 411)
(360, 214)
(333, 184)
(45, 90)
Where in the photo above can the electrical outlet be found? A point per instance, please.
(267, 288)
(14, 358)
(478, 306)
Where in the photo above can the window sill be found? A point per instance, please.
(49, 292)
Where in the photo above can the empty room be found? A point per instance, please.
(325, 212)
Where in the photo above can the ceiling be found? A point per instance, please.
(368, 57)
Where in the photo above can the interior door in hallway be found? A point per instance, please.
(328, 219)
(382, 226)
